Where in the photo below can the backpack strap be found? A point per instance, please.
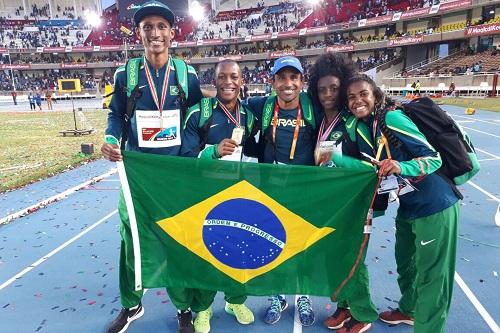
(250, 119)
(267, 113)
(305, 104)
(307, 109)
(206, 107)
(133, 94)
(181, 73)
(132, 69)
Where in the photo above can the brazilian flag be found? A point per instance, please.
(254, 229)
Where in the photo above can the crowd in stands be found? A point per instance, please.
(282, 17)
(43, 13)
(260, 72)
(43, 36)
(465, 62)
(43, 80)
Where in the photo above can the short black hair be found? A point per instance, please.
(335, 64)
(227, 62)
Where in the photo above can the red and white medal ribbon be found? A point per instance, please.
(152, 88)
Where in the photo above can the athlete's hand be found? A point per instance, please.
(111, 152)
(388, 167)
(226, 147)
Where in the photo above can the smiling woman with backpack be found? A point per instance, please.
(426, 222)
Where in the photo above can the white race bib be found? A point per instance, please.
(156, 132)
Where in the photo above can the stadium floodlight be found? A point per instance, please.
(197, 11)
(92, 18)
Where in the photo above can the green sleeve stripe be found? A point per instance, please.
(111, 139)
(420, 137)
(368, 141)
(209, 152)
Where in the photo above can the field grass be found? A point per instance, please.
(31, 147)
(490, 104)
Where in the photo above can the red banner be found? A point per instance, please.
(18, 22)
(484, 29)
(231, 57)
(379, 20)
(415, 13)
(83, 48)
(279, 54)
(340, 48)
(212, 41)
(288, 33)
(454, 5)
(186, 44)
(406, 41)
(53, 49)
(18, 67)
(111, 47)
(74, 65)
(311, 31)
(3, 50)
(228, 14)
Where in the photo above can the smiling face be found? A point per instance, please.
(155, 33)
(328, 92)
(228, 81)
(361, 99)
(288, 84)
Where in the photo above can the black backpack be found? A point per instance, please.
(443, 133)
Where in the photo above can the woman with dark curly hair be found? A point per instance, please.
(326, 88)
(427, 218)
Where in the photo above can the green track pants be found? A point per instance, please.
(358, 298)
(425, 256)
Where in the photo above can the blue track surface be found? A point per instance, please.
(76, 289)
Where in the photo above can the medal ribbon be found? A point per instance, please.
(152, 88)
(323, 135)
(295, 133)
(236, 121)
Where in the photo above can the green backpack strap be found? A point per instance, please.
(305, 103)
(307, 109)
(267, 114)
(181, 72)
(132, 70)
(206, 107)
(249, 117)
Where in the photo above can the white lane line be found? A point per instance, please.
(475, 130)
(50, 254)
(465, 121)
(54, 198)
(297, 326)
(494, 122)
(488, 159)
(488, 194)
(479, 307)
(485, 152)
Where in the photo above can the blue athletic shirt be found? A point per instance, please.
(280, 151)
(118, 104)
(219, 127)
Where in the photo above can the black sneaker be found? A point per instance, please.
(126, 316)
(185, 322)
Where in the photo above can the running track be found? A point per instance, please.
(59, 265)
